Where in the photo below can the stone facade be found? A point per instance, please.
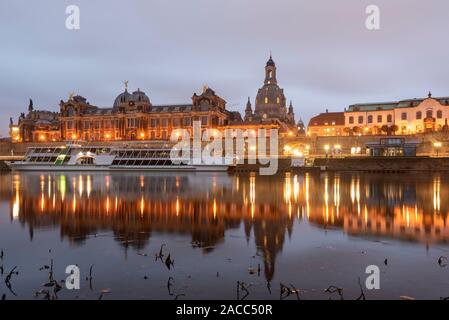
(403, 117)
(327, 124)
(406, 117)
(36, 125)
(132, 117)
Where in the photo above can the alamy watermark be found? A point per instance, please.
(372, 282)
(72, 21)
(229, 148)
(372, 21)
(72, 282)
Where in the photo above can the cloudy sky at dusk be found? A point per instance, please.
(326, 58)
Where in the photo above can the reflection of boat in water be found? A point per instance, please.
(85, 158)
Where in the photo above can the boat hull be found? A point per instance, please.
(51, 167)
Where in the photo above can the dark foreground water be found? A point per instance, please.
(310, 231)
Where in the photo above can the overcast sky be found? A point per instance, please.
(326, 57)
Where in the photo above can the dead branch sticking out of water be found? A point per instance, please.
(52, 283)
(333, 289)
(169, 262)
(160, 255)
(8, 279)
(242, 286)
(90, 277)
(169, 285)
(362, 294)
(442, 261)
(286, 291)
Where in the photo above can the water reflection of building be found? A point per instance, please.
(133, 206)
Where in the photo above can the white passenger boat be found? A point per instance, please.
(90, 158)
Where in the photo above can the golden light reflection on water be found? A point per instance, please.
(132, 206)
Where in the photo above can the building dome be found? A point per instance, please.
(126, 97)
(270, 62)
(123, 97)
(139, 96)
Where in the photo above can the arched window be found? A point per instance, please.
(389, 118)
(439, 114)
(419, 115)
(278, 100)
(370, 119)
(266, 100)
(270, 74)
(429, 114)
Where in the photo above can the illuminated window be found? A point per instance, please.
(266, 100)
(278, 100)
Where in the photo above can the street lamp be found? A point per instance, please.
(326, 148)
(437, 146)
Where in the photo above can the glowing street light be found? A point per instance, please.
(437, 146)
(326, 149)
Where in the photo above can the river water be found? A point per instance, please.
(307, 231)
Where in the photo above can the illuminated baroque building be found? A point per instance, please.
(404, 117)
(271, 104)
(36, 125)
(134, 117)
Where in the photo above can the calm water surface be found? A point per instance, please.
(311, 231)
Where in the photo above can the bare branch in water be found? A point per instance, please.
(333, 289)
(362, 294)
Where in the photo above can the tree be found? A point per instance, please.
(394, 128)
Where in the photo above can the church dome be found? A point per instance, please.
(139, 96)
(123, 97)
(126, 97)
(270, 62)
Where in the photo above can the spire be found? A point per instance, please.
(430, 94)
(270, 72)
(290, 108)
(248, 106)
(270, 61)
(126, 85)
(30, 106)
(248, 111)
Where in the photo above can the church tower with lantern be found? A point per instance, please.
(271, 104)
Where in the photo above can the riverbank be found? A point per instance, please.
(384, 164)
